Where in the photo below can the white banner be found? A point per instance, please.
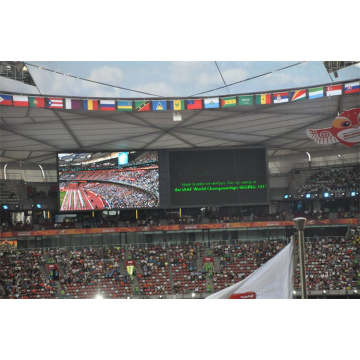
(273, 280)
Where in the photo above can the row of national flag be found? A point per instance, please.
(178, 105)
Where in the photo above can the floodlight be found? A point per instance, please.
(38, 206)
(6, 207)
(326, 194)
(308, 196)
(286, 196)
(353, 193)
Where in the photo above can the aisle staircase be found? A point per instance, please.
(45, 274)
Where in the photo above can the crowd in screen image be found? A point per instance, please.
(133, 186)
(116, 196)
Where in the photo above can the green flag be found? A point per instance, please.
(246, 100)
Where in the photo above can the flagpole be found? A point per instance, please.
(300, 226)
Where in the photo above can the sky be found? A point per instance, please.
(147, 79)
(170, 50)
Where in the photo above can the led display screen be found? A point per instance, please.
(108, 180)
(217, 177)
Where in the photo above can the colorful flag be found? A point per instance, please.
(54, 103)
(316, 93)
(159, 105)
(90, 104)
(228, 101)
(297, 95)
(194, 104)
(73, 104)
(281, 97)
(142, 105)
(107, 105)
(5, 99)
(263, 99)
(333, 90)
(211, 103)
(246, 100)
(124, 105)
(38, 102)
(352, 87)
(273, 280)
(20, 100)
(177, 105)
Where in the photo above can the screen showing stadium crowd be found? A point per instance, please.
(97, 185)
(148, 270)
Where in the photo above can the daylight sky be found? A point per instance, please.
(178, 78)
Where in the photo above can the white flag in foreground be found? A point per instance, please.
(273, 280)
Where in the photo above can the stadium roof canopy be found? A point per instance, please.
(35, 135)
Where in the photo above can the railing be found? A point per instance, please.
(10, 176)
(166, 245)
(16, 72)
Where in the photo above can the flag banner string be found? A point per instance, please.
(180, 104)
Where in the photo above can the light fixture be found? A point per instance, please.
(177, 116)
(38, 206)
(286, 196)
(308, 196)
(160, 296)
(193, 294)
(326, 194)
(355, 291)
(99, 297)
(353, 193)
(294, 292)
(324, 291)
(128, 297)
(5, 207)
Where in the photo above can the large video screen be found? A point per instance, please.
(234, 176)
(108, 180)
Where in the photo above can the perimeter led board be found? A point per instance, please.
(218, 177)
(108, 180)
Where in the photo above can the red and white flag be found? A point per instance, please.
(273, 280)
(333, 90)
(20, 100)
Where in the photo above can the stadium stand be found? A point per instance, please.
(332, 263)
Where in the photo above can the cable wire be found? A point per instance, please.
(222, 77)
(251, 78)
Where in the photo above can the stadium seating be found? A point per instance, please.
(331, 264)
